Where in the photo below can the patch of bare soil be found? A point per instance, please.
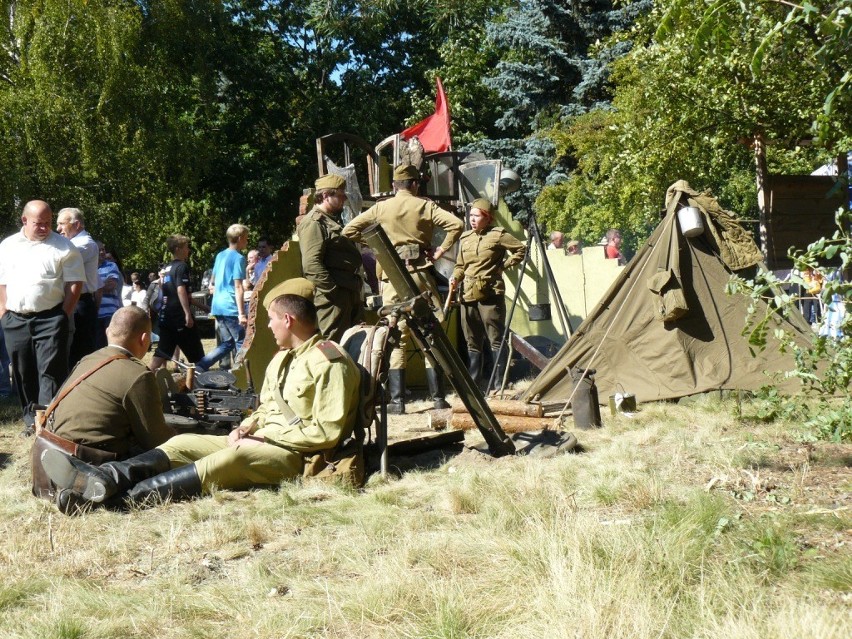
(811, 480)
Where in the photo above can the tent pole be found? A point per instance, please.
(551, 279)
(511, 313)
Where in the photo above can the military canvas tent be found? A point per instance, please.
(666, 327)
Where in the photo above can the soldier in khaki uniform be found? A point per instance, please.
(309, 403)
(116, 408)
(331, 261)
(485, 251)
(410, 222)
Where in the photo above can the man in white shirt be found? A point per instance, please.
(556, 240)
(264, 256)
(71, 224)
(41, 278)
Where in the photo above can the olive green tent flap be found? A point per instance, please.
(672, 303)
(734, 245)
(625, 341)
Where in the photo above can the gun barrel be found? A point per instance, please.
(433, 341)
(249, 378)
(181, 364)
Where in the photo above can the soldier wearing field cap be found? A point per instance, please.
(308, 404)
(485, 251)
(410, 223)
(330, 260)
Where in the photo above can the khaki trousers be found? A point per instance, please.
(233, 468)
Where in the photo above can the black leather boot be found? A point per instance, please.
(396, 388)
(70, 503)
(474, 367)
(178, 483)
(435, 381)
(97, 483)
(500, 369)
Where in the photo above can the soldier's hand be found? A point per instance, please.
(239, 433)
(435, 253)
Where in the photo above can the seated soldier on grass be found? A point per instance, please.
(308, 403)
(107, 409)
(116, 408)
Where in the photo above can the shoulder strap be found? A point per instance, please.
(289, 414)
(49, 411)
(330, 350)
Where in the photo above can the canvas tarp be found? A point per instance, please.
(666, 328)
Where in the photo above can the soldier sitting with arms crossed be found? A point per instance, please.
(308, 403)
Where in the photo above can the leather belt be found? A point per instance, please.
(30, 314)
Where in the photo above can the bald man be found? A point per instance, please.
(117, 408)
(41, 279)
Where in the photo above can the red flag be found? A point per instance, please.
(434, 131)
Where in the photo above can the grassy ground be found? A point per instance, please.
(682, 522)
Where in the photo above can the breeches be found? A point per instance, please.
(481, 319)
(337, 311)
(235, 468)
(425, 282)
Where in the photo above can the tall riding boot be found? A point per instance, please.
(474, 367)
(435, 381)
(499, 369)
(396, 388)
(97, 483)
(178, 483)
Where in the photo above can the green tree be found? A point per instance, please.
(818, 32)
(101, 105)
(683, 112)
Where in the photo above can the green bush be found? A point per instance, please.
(825, 365)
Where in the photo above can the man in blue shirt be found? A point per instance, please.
(229, 271)
(110, 280)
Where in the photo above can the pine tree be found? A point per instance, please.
(554, 67)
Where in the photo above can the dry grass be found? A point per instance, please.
(681, 522)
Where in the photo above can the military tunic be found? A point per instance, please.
(480, 264)
(331, 262)
(116, 408)
(308, 403)
(410, 223)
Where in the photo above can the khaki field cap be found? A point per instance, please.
(405, 172)
(294, 286)
(483, 205)
(330, 181)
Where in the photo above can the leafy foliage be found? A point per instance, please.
(817, 32)
(550, 69)
(683, 109)
(825, 367)
(101, 109)
(157, 117)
